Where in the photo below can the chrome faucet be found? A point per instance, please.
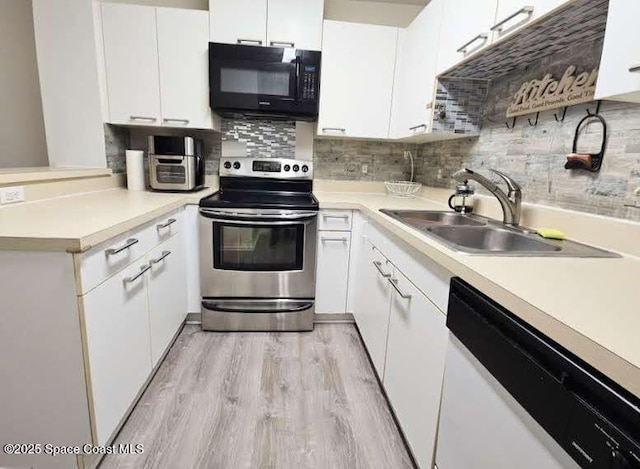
(511, 201)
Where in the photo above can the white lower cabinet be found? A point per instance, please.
(332, 271)
(414, 368)
(167, 289)
(398, 308)
(118, 346)
(372, 304)
(129, 321)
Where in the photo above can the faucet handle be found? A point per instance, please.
(511, 184)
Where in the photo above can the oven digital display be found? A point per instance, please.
(267, 166)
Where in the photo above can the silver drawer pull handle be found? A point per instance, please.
(130, 242)
(394, 284)
(481, 36)
(250, 41)
(378, 265)
(416, 127)
(282, 43)
(135, 277)
(334, 129)
(143, 118)
(164, 255)
(634, 68)
(528, 10)
(342, 240)
(168, 223)
(341, 217)
(169, 119)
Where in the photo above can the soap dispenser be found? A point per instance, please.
(462, 200)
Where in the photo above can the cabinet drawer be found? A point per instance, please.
(335, 220)
(332, 271)
(101, 262)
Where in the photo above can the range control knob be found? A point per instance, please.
(287, 167)
(305, 168)
(236, 165)
(227, 165)
(296, 168)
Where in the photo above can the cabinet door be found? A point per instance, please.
(183, 51)
(238, 21)
(131, 56)
(372, 304)
(415, 73)
(167, 293)
(295, 23)
(358, 63)
(117, 339)
(332, 271)
(465, 28)
(619, 77)
(514, 14)
(414, 367)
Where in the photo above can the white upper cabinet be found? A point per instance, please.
(465, 29)
(511, 15)
(131, 56)
(156, 62)
(415, 73)
(183, 48)
(295, 23)
(238, 21)
(279, 23)
(619, 78)
(358, 62)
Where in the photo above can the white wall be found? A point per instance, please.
(387, 14)
(21, 122)
(69, 82)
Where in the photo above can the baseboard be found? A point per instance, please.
(328, 318)
(320, 318)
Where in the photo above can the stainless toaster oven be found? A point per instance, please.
(175, 163)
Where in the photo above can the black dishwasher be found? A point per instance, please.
(592, 418)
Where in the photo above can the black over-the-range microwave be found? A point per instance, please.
(277, 82)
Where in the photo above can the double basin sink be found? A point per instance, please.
(478, 235)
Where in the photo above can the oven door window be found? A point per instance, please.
(258, 247)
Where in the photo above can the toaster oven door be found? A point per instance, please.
(172, 172)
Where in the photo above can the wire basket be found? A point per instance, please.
(402, 188)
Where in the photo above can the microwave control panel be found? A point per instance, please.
(309, 82)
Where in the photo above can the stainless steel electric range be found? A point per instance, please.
(258, 247)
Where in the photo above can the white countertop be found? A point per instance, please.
(590, 306)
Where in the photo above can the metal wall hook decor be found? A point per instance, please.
(598, 103)
(513, 124)
(587, 161)
(533, 124)
(564, 113)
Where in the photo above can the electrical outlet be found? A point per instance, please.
(365, 168)
(11, 195)
(439, 175)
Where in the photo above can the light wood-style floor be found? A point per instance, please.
(264, 400)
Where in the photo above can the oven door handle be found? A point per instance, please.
(257, 218)
(228, 307)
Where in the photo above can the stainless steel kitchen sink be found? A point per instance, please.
(491, 239)
(426, 218)
(473, 234)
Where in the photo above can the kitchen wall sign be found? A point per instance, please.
(551, 93)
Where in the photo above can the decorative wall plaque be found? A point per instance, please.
(550, 93)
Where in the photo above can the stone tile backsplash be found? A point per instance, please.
(345, 159)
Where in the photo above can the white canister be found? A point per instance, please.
(135, 170)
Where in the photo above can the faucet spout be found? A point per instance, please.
(510, 201)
